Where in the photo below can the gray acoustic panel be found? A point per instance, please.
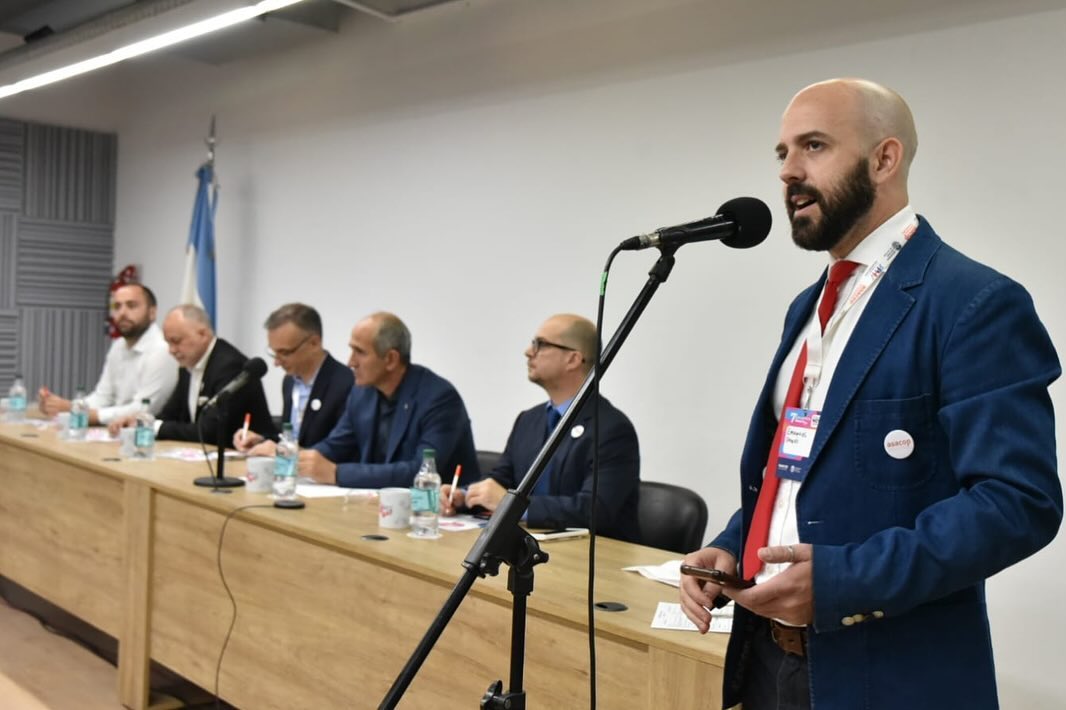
(9, 325)
(8, 235)
(63, 265)
(61, 348)
(11, 155)
(70, 174)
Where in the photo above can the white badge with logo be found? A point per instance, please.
(316, 404)
(577, 431)
(899, 444)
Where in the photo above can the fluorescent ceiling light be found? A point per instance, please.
(219, 22)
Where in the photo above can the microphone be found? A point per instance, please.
(254, 369)
(740, 223)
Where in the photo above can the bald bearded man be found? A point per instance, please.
(902, 449)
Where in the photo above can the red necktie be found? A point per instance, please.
(759, 531)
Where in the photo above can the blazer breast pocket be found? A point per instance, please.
(895, 442)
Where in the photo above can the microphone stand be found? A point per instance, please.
(503, 541)
(219, 479)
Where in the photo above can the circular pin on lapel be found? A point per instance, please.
(899, 444)
(577, 431)
(316, 404)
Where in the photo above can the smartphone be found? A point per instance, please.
(717, 576)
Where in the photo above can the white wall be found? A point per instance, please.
(470, 171)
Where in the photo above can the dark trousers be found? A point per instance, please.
(774, 680)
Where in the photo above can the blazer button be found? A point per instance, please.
(847, 621)
(858, 618)
(879, 614)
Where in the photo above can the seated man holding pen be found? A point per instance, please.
(395, 410)
(559, 359)
(316, 386)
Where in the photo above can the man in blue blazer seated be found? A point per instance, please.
(395, 410)
(915, 454)
(315, 388)
(558, 359)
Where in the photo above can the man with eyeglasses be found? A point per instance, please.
(559, 359)
(395, 411)
(315, 387)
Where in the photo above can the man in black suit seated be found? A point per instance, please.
(559, 359)
(315, 388)
(207, 364)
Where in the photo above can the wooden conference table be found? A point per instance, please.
(325, 618)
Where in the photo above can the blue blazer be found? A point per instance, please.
(430, 414)
(570, 488)
(332, 385)
(953, 353)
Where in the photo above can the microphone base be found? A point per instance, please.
(213, 482)
(289, 503)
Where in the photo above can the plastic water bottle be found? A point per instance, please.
(16, 401)
(144, 434)
(425, 497)
(79, 416)
(286, 453)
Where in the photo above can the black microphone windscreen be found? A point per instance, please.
(753, 220)
(256, 367)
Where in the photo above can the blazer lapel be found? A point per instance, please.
(882, 316)
(405, 409)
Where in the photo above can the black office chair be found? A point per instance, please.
(671, 517)
(487, 460)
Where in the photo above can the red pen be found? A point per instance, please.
(244, 431)
(455, 483)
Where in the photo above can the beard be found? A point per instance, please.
(841, 209)
(134, 330)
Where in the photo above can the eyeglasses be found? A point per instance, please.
(536, 344)
(282, 353)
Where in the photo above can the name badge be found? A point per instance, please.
(801, 425)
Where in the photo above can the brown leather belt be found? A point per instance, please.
(790, 639)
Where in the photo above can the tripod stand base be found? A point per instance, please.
(224, 482)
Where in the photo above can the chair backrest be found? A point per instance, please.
(671, 517)
(487, 460)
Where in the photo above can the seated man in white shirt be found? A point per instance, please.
(138, 366)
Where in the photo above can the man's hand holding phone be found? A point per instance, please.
(698, 594)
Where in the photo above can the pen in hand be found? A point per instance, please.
(455, 484)
(244, 430)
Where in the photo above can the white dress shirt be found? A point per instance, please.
(131, 374)
(783, 526)
(196, 379)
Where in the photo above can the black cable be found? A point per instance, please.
(232, 601)
(203, 446)
(596, 478)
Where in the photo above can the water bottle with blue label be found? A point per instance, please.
(425, 498)
(285, 459)
(16, 401)
(79, 417)
(144, 433)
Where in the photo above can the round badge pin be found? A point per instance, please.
(899, 444)
(577, 431)
(316, 404)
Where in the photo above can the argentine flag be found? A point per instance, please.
(199, 285)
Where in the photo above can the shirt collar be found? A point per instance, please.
(202, 364)
(878, 241)
(150, 333)
(561, 407)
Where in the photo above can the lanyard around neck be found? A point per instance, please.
(816, 339)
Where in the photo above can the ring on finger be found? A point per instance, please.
(791, 553)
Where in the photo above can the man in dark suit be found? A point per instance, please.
(902, 449)
(207, 364)
(394, 412)
(559, 359)
(316, 386)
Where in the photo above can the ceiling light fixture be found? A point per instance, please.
(167, 39)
